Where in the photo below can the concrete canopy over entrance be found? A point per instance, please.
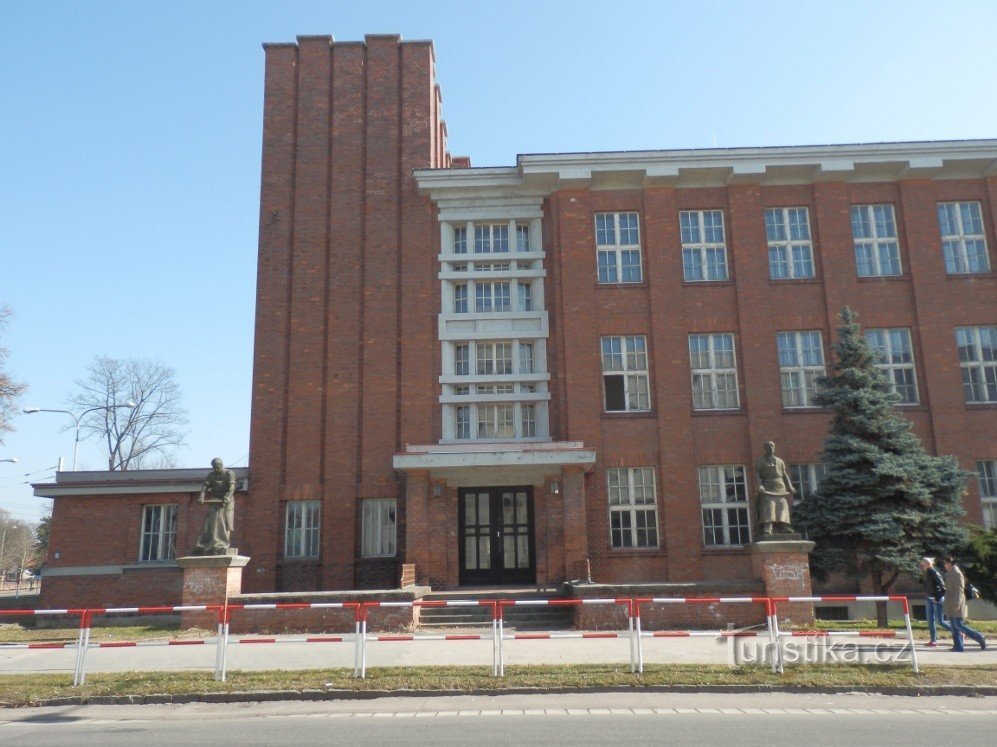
(438, 475)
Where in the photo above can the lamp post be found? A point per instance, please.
(77, 418)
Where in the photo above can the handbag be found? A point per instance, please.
(971, 591)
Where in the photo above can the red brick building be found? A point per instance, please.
(530, 374)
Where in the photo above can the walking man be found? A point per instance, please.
(934, 597)
(956, 607)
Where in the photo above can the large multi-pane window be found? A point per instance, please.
(301, 529)
(496, 421)
(874, 230)
(377, 528)
(963, 241)
(714, 372)
(791, 253)
(624, 374)
(895, 357)
(617, 240)
(801, 363)
(633, 514)
(159, 533)
(491, 238)
(806, 478)
(723, 497)
(978, 358)
(986, 471)
(492, 296)
(493, 358)
(704, 249)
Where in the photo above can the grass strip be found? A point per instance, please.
(31, 689)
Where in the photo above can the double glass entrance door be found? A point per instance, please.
(496, 531)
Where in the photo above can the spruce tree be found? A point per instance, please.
(883, 502)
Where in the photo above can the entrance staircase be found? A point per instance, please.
(516, 618)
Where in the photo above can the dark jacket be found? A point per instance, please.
(934, 586)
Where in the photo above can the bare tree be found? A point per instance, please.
(141, 436)
(17, 545)
(10, 390)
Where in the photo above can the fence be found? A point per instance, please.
(635, 632)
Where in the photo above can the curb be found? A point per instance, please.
(319, 695)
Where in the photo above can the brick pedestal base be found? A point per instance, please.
(783, 565)
(209, 579)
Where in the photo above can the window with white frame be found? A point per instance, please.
(460, 298)
(522, 238)
(463, 430)
(895, 358)
(625, 374)
(723, 497)
(806, 478)
(528, 415)
(301, 529)
(492, 296)
(496, 421)
(633, 510)
(986, 472)
(617, 240)
(159, 533)
(378, 527)
(801, 363)
(704, 249)
(874, 230)
(491, 238)
(493, 358)
(714, 372)
(526, 364)
(963, 241)
(791, 254)
(525, 302)
(978, 358)
(462, 359)
(460, 240)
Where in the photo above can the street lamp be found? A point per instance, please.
(77, 418)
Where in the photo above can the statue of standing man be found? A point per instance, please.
(774, 489)
(218, 494)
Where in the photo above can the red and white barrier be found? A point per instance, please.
(775, 601)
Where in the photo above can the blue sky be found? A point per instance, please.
(130, 148)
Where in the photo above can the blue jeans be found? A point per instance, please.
(933, 614)
(959, 628)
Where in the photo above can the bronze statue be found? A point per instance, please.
(774, 489)
(219, 486)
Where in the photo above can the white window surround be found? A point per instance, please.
(713, 360)
(964, 241)
(633, 508)
(625, 373)
(791, 255)
(723, 498)
(978, 360)
(896, 359)
(378, 528)
(618, 252)
(704, 246)
(302, 523)
(805, 478)
(159, 533)
(877, 245)
(986, 474)
(801, 363)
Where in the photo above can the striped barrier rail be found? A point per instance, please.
(80, 651)
(770, 623)
(902, 600)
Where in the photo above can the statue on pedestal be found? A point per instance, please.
(218, 494)
(774, 489)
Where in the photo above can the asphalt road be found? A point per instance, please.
(586, 718)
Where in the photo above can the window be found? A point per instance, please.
(987, 475)
(526, 358)
(492, 296)
(874, 230)
(805, 478)
(460, 240)
(377, 527)
(528, 413)
(978, 356)
(963, 242)
(493, 358)
(895, 359)
(790, 251)
(460, 298)
(463, 421)
(624, 374)
(723, 496)
(617, 240)
(522, 238)
(525, 297)
(714, 372)
(462, 359)
(496, 421)
(491, 238)
(633, 513)
(301, 529)
(801, 363)
(704, 252)
(159, 533)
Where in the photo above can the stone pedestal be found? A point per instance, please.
(209, 579)
(782, 562)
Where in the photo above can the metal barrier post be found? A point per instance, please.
(80, 677)
(495, 641)
(219, 645)
(500, 611)
(778, 640)
(640, 646)
(910, 635)
(630, 631)
(775, 649)
(363, 641)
